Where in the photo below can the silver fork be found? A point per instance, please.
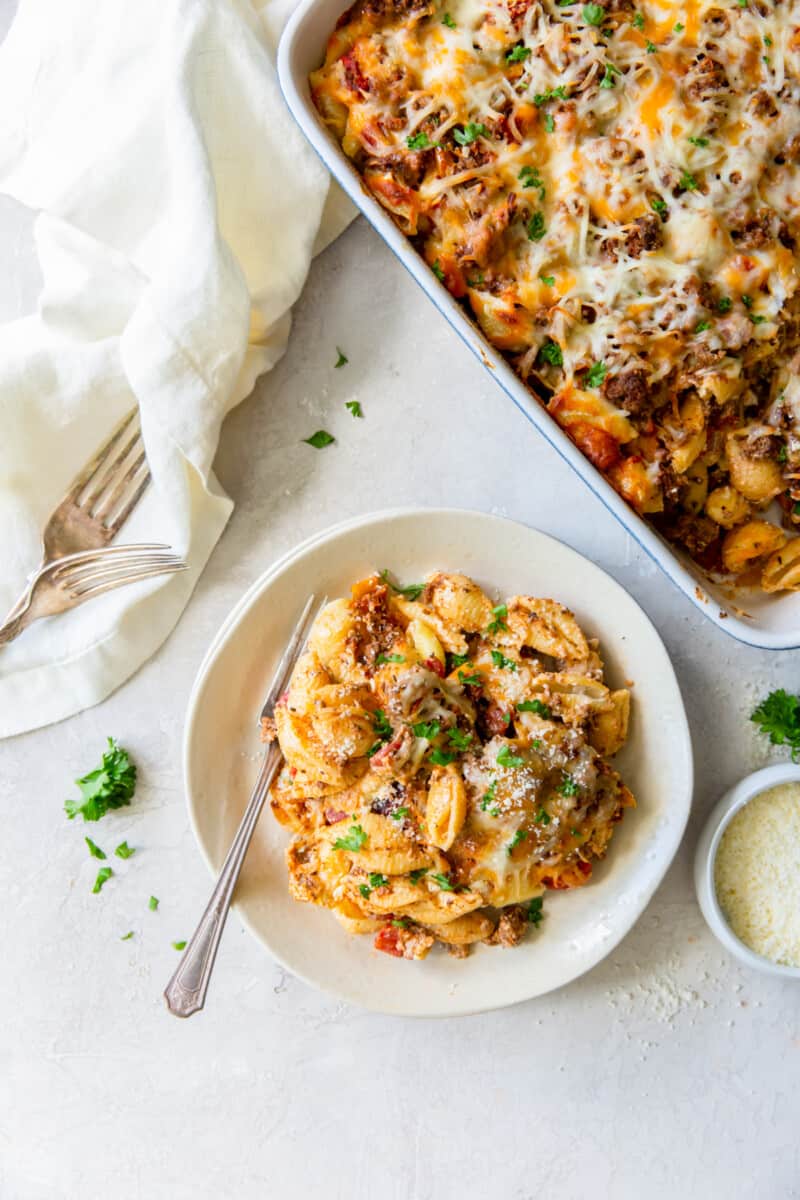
(76, 578)
(186, 991)
(99, 500)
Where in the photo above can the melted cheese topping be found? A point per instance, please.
(605, 187)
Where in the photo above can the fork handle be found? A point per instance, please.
(17, 620)
(186, 991)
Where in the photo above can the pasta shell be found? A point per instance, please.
(446, 808)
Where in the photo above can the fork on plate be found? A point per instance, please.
(186, 991)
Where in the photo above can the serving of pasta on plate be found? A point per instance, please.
(446, 763)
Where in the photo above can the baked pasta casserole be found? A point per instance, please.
(612, 190)
(446, 762)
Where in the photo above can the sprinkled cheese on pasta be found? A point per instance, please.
(609, 185)
(446, 763)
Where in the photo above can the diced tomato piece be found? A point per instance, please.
(387, 939)
(435, 665)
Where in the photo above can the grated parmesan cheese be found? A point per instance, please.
(757, 874)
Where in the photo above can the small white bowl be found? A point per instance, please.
(706, 855)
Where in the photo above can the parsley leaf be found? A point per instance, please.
(488, 800)
(401, 922)
(594, 14)
(437, 270)
(111, 785)
(442, 758)
(568, 786)
(518, 837)
(179, 945)
(534, 706)
(551, 353)
(596, 374)
(448, 21)
(724, 304)
(518, 54)
(702, 326)
(558, 93)
(103, 875)
(399, 814)
(365, 890)
(94, 850)
(354, 408)
(658, 205)
(678, 28)
(506, 758)
(498, 621)
(415, 876)
(638, 21)
(549, 123)
(470, 133)
(548, 280)
(782, 455)
(699, 141)
(443, 882)
(535, 913)
(355, 839)
(542, 817)
(411, 591)
(382, 728)
(608, 76)
(467, 680)
(152, 903)
(377, 880)
(341, 360)
(426, 729)
(536, 228)
(651, 49)
(320, 439)
(418, 141)
(505, 664)
(123, 850)
(126, 937)
(460, 740)
(457, 660)
(779, 716)
(388, 658)
(687, 182)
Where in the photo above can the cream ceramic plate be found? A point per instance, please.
(221, 751)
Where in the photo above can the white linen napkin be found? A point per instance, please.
(180, 207)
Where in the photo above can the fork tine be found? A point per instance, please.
(96, 463)
(294, 648)
(119, 486)
(121, 517)
(103, 556)
(107, 476)
(81, 575)
(87, 591)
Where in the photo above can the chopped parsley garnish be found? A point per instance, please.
(596, 374)
(568, 786)
(551, 353)
(457, 660)
(442, 758)
(638, 21)
(123, 850)
(678, 28)
(411, 591)
(506, 758)
(505, 664)
(779, 716)
(742, 3)
(594, 14)
(467, 680)
(126, 937)
(389, 658)
(94, 850)
(477, 280)
(796, 509)
(535, 913)
(724, 304)
(354, 841)
(418, 141)
(448, 21)
(426, 729)
(558, 93)
(320, 439)
(518, 54)
(757, 319)
(415, 876)
(699, 141)
(782, 455)
(658, 205)
(341, 360)
(498, 621)
(443, 882)
(549, 123)
(518, 837)
(377, 880)
(687, 182)
(470, 133)
(460, 740)
(103, 875)
(767, 40)
(437, 270)
(488, 800)
(651, 49)
(354, 408)
(543, 817)
(400, 922)
(747, 301)
(399, 814)
(365, 890)
(529, 177)
(111, 785)
(548, 280)
(534, 706)
(702, 326)
(608, 76)
(152, 903)
(179, 945)
(536, 228)
(382, 728)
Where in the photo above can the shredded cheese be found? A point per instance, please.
(757, 874)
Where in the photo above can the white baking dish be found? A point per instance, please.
(772, 622)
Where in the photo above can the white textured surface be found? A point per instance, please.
(667, 1071)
